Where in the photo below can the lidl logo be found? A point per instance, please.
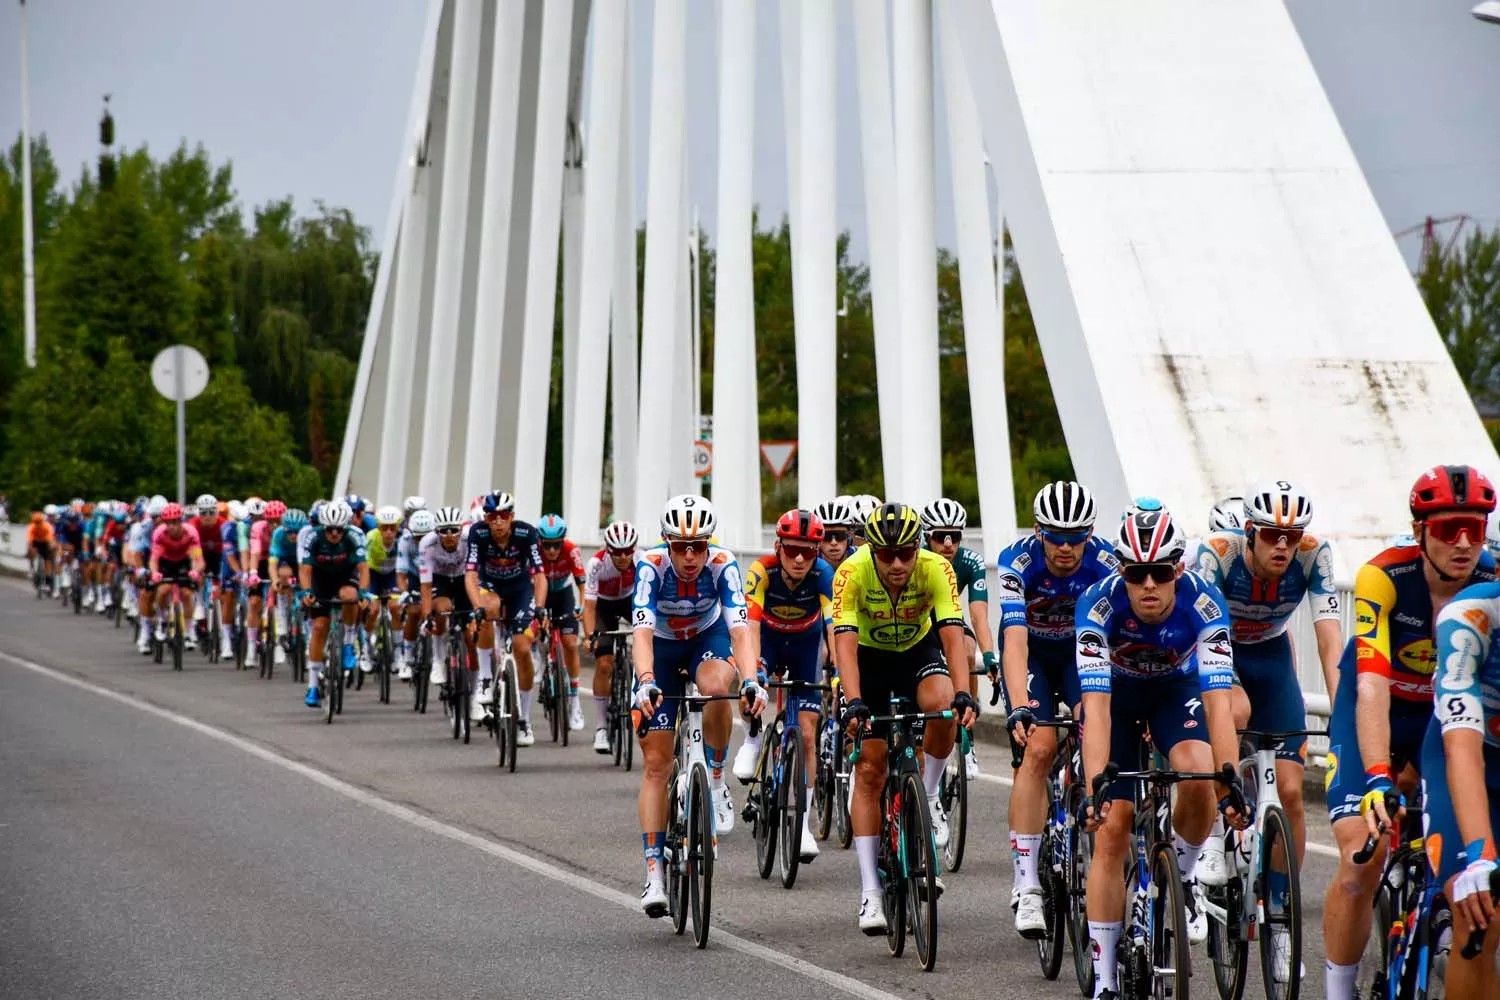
(1366, 614)
(1419, 657)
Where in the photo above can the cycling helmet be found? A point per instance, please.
(37, 517)
(337, 514)
(551, 528)
(50, 510)
(157, 498)
(422, 522)
(121, 516)
(944, 513)
(76, 503)
(497, 501)
(835, 513)
(620, 536)
(799, 525)
(356, 503)
(1279, 504)
(255, 507)
(476, 514)
(388, 515)
(1228, 515)
(236, 511)
(449, 517)
(207, 500)
(189, 511)
(414, 504)
(893, 524)
(154, 507)
(1451, 487)
(1064, 506)
(172, 512)
(1150, 536)
(275, 510)
(224, 508)
(688, 516)
(294, 520)
(863, 505)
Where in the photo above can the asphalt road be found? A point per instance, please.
(203, 834)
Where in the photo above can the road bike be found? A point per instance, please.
(953, 791)
(338, 666)
(457, 692)
(383, 650)
(832, 780)
(266, 639)
(170, 629)
(555, 685)
(505, 711)
(617, 725)
(776, 805)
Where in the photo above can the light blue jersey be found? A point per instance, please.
(1259, 609)
(681, 609)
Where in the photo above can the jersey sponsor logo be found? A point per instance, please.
(720, 559)
(1408, 620)
(1478, 619)
(1460, 663)
(1219, 545)
(1218, 642)
(1207, 607)
(1091, 645)
(790, 613)
(1419, 656)
(1099, 613)
(1366, 616)
(1020, 562)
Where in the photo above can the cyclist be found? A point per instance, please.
(896, 619)
(69, 533)
(563, 565)
(838, 521)
(380, 552)
(206, 523)
(138, 552)
(789, 598)
(1461, 754)
(332, 568)
(264, 516)
(441, 561)
(88, 573)
(1040, 578)
(39, 544)
(1152, 647)
(364, 521)
(235, 535)
(1384, 698)
(505, 568)
(282, 561)
(112, 546)
(688, 614)
(944, 521)
(419, 524)
(607, 585)
(176, 554)
(861, 506)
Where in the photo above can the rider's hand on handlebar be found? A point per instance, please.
(752, 698)
(1378, 786)
(856, 715)
(1095, 812)
(647, 694)
(992, 666)
(1232, 804)
(1471, 892)
(1021, 722)
(964, 709)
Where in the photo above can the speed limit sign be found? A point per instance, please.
(703, 459)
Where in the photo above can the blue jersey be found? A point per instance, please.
(139, 538)
(1113, 643)
(283, 547)
(1260, 609)
(680, 609)
(1032, 596)
(1466, 683)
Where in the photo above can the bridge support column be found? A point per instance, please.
(624, 324)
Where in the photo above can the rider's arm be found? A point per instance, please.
(732, 599)
(1463, 645)
(1330, 638)
(471, 587)
(1091, 619)
(1215, 664)
(1323, 598)
(1016, 650)
(156, 548)
(979, 606)
(590, 614)
(757, 583)
(848, 595)
(643, 618)
(1374, 593)
(538, 577)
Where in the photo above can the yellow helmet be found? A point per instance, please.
(893, 524)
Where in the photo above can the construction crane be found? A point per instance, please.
(1429, 230)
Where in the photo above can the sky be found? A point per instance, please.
(308, 98)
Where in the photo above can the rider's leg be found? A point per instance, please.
(315, 647)
(716, 677)
(1028, 807)
(604, 671)
(934, 694)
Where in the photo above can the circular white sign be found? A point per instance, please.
(703, 458)
(194, 372)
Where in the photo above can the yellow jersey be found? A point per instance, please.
(896, 621)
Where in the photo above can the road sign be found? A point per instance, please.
(703, 459)
(778, 456)
(180, 373)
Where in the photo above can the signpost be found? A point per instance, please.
(180, 373)
(778, 456)
(703, 459)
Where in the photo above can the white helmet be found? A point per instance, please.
(620, 535)
(337, 514)
(155, 506)
(51, 509)
(237, 511)
(1278, 504)
(414, 504)
(835, 513)
(944, 513)
(1064, 506)
(862, 505)
(422, 522)
(388, 515)
(449, 517)
(688, 516)
(476, 514)
(158, 498)
(1150, 536)
(189, 511)
(207, 500)
(255, 507)
(1228, 515)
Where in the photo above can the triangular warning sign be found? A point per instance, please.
(778, 456)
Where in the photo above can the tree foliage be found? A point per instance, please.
(1462, 290)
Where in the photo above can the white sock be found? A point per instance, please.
(868, 849)
(1105, 935)
(526, 706)
(601, 709)
(1339, 980)
(252, 635)
(932, 773)
(486, 664)
(1024, 849)
(145, 628)
(314, 673)
(1187, 855)
(807, 817)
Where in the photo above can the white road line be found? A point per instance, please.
(838, 981)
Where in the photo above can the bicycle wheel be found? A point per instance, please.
(421, 673)
(824, 782)
(1049, 949)
(700, 857)
(456, 668)
(676, 851)
(953, 792)
(117, 607)
(843, 783)
(614, 728)
(764, 821)
(1228, 950)
(792, 793)
(1281, 901)
(556, 695)
(1079, 859)
(1374, 966)
(333, 673)
(385, 654)
(513, 716)
(921, 871)
(1166, 927)
(77, 598)
(176, 637)
(501, 710)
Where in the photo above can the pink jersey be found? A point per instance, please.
(260, 541)
(605, 583)
(567, 566)
(164, 546)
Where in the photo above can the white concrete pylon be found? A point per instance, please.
(663, 250)
(405, 336)
(921, 449)
(601, 216)
(682, 426)
(453, 225)
(494, 250)
(624, 328)
(791, 112)
(736, 471)
(984, 336)
(541, 272)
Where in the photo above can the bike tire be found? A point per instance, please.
(824, 783)
(1228, 949)
(117, 591)
(921, 872)
(498, 715)
(700, 858)
(953, 792)
(76, 596)
(791, 790)
(513, 717)
(676, 852)
(1080, 858)
(766, 823)
(1276, 831)
(177, 639)
(843, 823)
(333, 673)
(385, 655)
(1049, 949)
(1166, 927)
(455, 687)
(614, 727)
(1374, 967)
(556, 697)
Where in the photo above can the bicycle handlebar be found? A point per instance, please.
(1158, 776)
(1392, 804)
(1018, 750)
(860, 733)
(692, 699)
(1475, 944)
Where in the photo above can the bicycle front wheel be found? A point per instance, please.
(1166, 928)
(764, 804)
(921, 871)
(953, 792)
(792, 793)
(1281, 902)
(513, 711)
(700, 858)
(1080, 858)
(177, 637)
(1049, 949)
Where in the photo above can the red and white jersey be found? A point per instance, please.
(602, 582)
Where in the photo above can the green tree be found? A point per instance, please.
(1462, 292)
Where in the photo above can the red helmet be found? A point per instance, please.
(1451, 487)
(275, 510)
(800, 525)
(173, 511)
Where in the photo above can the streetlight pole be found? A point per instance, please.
(28, 262)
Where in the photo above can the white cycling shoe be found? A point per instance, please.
(971, 762)
(871, 914)
(601, 741)
(1281, 950)
(575, 716)
(745, 759)
(939, 821)
(279, 655)
(1213, 866)
(1031, 918)
(723, 809)
(808, 850)
(1197, 918)
(477, 705)
(524, 736)
(439, 671)
(654, 898)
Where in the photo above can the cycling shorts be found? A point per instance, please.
(794, 656)
(1344, 781)
(1444, 842)
(382, 584)
(562, 606)
(1268, 674)
(1050, 679)
(213, 563)
(888, 673)
(675, 658)
(1171, 708)
(173, 570)
(611, 612)
(452, 588)
(517, 604)
(43, 550)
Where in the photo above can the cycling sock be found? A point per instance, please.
(369, 638)
(1105, 935)
(314, 674)
(651, 845)
(1339, 980)
(932, 773)
(1278, 886)
(526, 707)
(1187, 856)
(868, 849)
(809, 814)
(252, 635)
(573, 691)
(486, 664)
(1024, 848)
(715, 757)
(601, 706)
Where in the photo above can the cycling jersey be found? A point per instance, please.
(166, 546)
(504, 566)
(603, 582)
(1113, 643)
(1031, 595)
(782, 607)
(406, 555)
(139, 538)
(335, 559)
(968, 569)
(209, 535)
(863, 604)
(566, 569)
(39, 534)
(260, 542)
(1260, 609)
(433, 560)
(381, 561)
(674, 608)
(283, 547)
(70, 531)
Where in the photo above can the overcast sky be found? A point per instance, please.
(309, 97)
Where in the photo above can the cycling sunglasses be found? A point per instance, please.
(1275, 536)
(450, 531)
(836, 536)
(681, 548)
(1447, 529)
(504, 515)
(1065, 537)
(551, 545)
(946, 536)
(1140, 572)
(895, 553)
(799, 551)
(333, 530)
(622, 552)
